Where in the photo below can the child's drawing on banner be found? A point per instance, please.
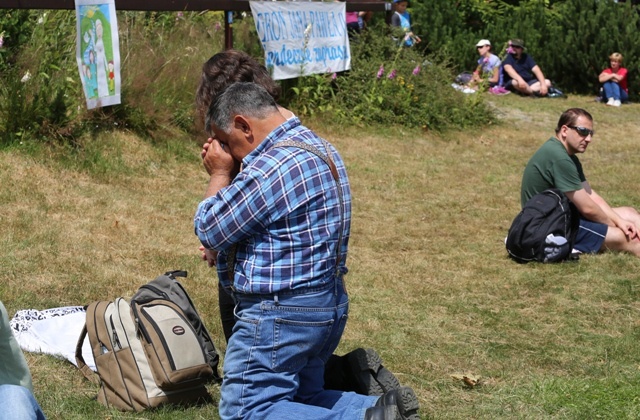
(97, 52)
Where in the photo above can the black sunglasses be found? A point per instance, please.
(481, 47)
(583, 131)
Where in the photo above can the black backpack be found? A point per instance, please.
(547, 213)
(167, 287)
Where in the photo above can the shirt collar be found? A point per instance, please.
(271, 139)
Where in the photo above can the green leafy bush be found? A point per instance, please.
(161, 54)
(389, 85)
(15, 30)
(39, 96)
(571, 40)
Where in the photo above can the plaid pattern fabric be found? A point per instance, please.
(283, 212)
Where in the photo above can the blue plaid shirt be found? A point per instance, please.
(283, 212)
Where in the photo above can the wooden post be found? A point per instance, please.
(228, 30)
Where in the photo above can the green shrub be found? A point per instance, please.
(38, 90)
(388, 85)
(586, 33)
(161, 57)
(392, 85)
(570, 39)
(15, 30)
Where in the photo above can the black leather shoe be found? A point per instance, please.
(371, 377)
(405, 399)
(382, 413)
(359, 371)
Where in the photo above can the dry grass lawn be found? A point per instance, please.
(431, 286)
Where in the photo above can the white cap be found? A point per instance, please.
(483, 42)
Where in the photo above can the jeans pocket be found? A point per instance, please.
(295, 342)
(336, 335)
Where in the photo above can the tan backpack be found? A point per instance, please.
(146, 354)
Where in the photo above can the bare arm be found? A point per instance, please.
(495, 76)
(593, 207)
(588, 208)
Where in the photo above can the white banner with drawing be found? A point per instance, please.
(98, 52)
(302, 38)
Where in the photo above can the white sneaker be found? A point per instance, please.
(617, 103)
(610, 102)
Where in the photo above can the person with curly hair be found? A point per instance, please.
(360, 370)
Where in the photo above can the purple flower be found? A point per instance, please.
(416, 70)
(380, 72)
(334, 76)
(217, 26)
(392, 75)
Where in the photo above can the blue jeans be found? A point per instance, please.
(18, 403)
(613, 90)
(274, 363)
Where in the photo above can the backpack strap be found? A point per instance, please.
(176, 273)
(82, 365)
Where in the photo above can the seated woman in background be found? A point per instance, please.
(614, 81)
(488, 65)
(488, 70)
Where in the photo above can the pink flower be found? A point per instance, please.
(486, 60)
(1, 41)
(392, 75)
(334, 76)
(217, 26)
(416, 70)
(380, 72)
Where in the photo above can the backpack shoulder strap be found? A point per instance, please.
(82, 365)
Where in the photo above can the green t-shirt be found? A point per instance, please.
(13, 366)
(551, 167)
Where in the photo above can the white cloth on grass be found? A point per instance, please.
(52, 331)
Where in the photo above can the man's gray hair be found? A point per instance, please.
(241, 98)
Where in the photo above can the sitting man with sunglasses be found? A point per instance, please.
(556, 165)
(521, 73)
